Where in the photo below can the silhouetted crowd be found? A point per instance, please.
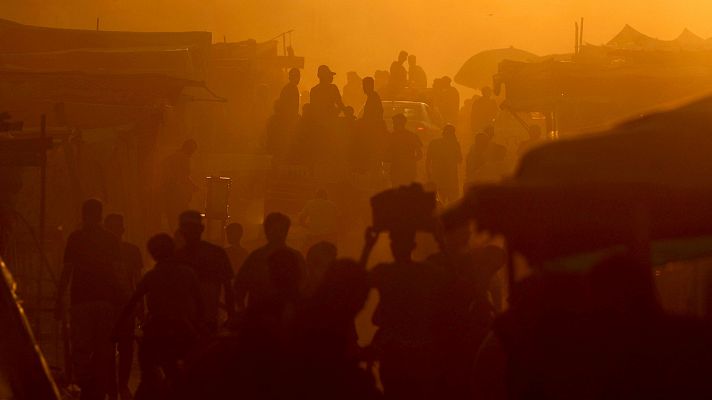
(279, 322)
(268, 324)
(347, 135)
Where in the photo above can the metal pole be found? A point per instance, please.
(43, 199)
(43, 182)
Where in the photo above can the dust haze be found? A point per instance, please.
(366, 35)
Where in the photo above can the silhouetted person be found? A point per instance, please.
(235, 252)
(91, 257)
(416, 75)
(442, 164)
(252, 284)
(406, 150)
(210, 264)
(373, 108)
(129, 275)
(398, 80)
(450, 106)
(468, 310)
(353, 95)
(272, 316)
(325, 340)
(484, 111)
(325, 98)
(320, 217)
(319, 258)
(535, 138)
(282, 124)
(478, 155)
(175, 185)
(368, 143)
(289, 96)
(408, 318)
(174, 304)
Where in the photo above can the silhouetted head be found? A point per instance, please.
(325, 74)
(535, 132)
(369, 85)
(437, 83)
(233, 233)
(276, 226)
(399, 121)
(285, 271)
(402, 56)
(189, 147)
(352, 78)
(412, 61)
(446, 81)
(92, 211)
(114, 223)
(161, 247)
(486, 92)
(295, 76)
(402, 244)
(190, 224)
(449, 132)
(320, 256)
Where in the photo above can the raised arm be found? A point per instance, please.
(370, 240)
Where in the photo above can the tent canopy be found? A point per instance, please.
(477, 72)
(651, 174)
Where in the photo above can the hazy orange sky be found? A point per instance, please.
(366, 35)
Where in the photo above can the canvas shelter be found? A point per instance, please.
(644, 183)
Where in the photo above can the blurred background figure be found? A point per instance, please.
(352, 93)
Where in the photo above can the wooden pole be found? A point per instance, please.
(581, 36)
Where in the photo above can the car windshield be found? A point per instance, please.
(413, 112)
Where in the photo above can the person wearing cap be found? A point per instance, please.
(325, 98)
(211, 265)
